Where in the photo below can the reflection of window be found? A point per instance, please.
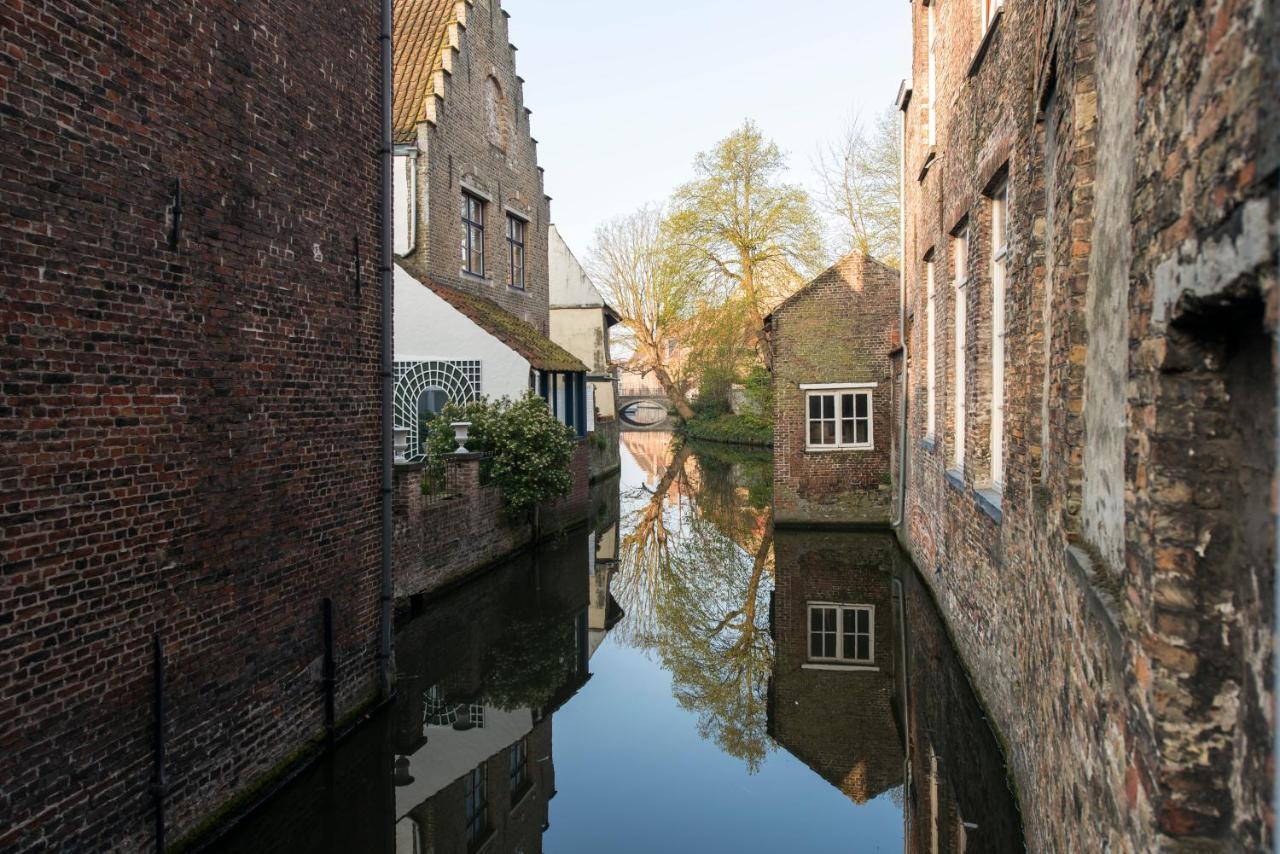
(515, 244)
(436, 711)
(477, 797)
(839, 419)
(476, 715)
(472, 234)
(518, 771)
(841, 633)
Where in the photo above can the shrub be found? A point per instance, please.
(528, 450)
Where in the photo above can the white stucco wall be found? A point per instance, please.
(404, 197)
(428, 328)
(570, 285)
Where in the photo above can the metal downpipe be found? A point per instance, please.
(388, 437)
(901, 509)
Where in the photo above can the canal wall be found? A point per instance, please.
(441, 538)
(1094, 510)
(190, 406)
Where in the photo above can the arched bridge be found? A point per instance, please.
(643, 409)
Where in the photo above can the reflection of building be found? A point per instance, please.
(603, 612)
(862, 660)
(832, 698)
(482, 671)
(833, 396)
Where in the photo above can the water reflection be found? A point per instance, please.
(752, 690)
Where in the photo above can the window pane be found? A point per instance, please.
(863, 436)
(828, 432)
(815, 407)
(815, 619)
(828, 406)
(815, 432)
(829, 645)
(846, 431)
(864, 647)
(862, 405)
(829, 619)
(466, 205)
(863, 621)
(846, 406)
(815, 645)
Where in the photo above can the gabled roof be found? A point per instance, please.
(524, 338)
(854, 264)
(419, 31)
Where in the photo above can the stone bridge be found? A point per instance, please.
(643, 409)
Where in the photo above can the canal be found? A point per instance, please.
(675, 676)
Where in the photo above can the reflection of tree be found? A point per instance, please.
(696, 572)
(530, 663)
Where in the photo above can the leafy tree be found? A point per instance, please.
(861, 190)
(648, 280)
(754, 233)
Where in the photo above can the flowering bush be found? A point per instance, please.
(528, 449)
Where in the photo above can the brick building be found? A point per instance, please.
(190, 404)
(833, 398)
(1089, 262)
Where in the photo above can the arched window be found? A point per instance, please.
(423, 389)
(495, 112)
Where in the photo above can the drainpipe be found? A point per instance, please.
(904, 96)
(388, 437)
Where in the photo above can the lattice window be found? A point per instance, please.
(459, 382)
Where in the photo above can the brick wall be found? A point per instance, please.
(1125, 660)
(441, 539)
(838, 329)
(190, 428)
(458, 150)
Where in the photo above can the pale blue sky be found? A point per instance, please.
(624, 94)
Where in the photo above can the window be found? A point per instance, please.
(931, 126)
(518, 768)
(989, 10)
(842, 633)
(515, 247)
(999, 257)
(477, 797)
(472, 234)
(839, 418)
(960, 250)
(931, 396)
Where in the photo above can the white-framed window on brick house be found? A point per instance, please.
(841, 634)
(931, 39)
(999, 258)
(989, 9)
(931, 355)
(838, 417)
(518, 769)
(515, 250)
(959, 324)
(472, 234)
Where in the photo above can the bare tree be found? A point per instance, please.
(648, 280)
(860, 190)
(748, 227)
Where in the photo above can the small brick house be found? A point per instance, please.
(833, 396)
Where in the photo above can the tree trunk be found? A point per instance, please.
(757, 317)
(674, 394)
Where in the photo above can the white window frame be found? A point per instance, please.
(838, 391)
(931, 355)
(988, 11)
(840, 609)
(999, 269)
(959, 329)
(931, 38)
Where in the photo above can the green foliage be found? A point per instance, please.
(534, 658)
(759, 390)
(528, 449)
(744, 429)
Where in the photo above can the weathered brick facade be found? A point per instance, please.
(838, 329)
(1112, 592)
(189, 406)
(460, 104)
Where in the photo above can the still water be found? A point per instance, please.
(676, 676)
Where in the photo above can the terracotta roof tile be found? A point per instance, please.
(419, 31)
(524, 338)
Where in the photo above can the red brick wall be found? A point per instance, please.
(1105, 653)
(838, 329)
(190, 433)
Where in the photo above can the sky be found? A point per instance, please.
(625, 94)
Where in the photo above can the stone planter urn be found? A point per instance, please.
(460, 429)
(401, 443)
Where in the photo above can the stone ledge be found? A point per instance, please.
(1098, 602)
(954, 479)
(989, 501)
